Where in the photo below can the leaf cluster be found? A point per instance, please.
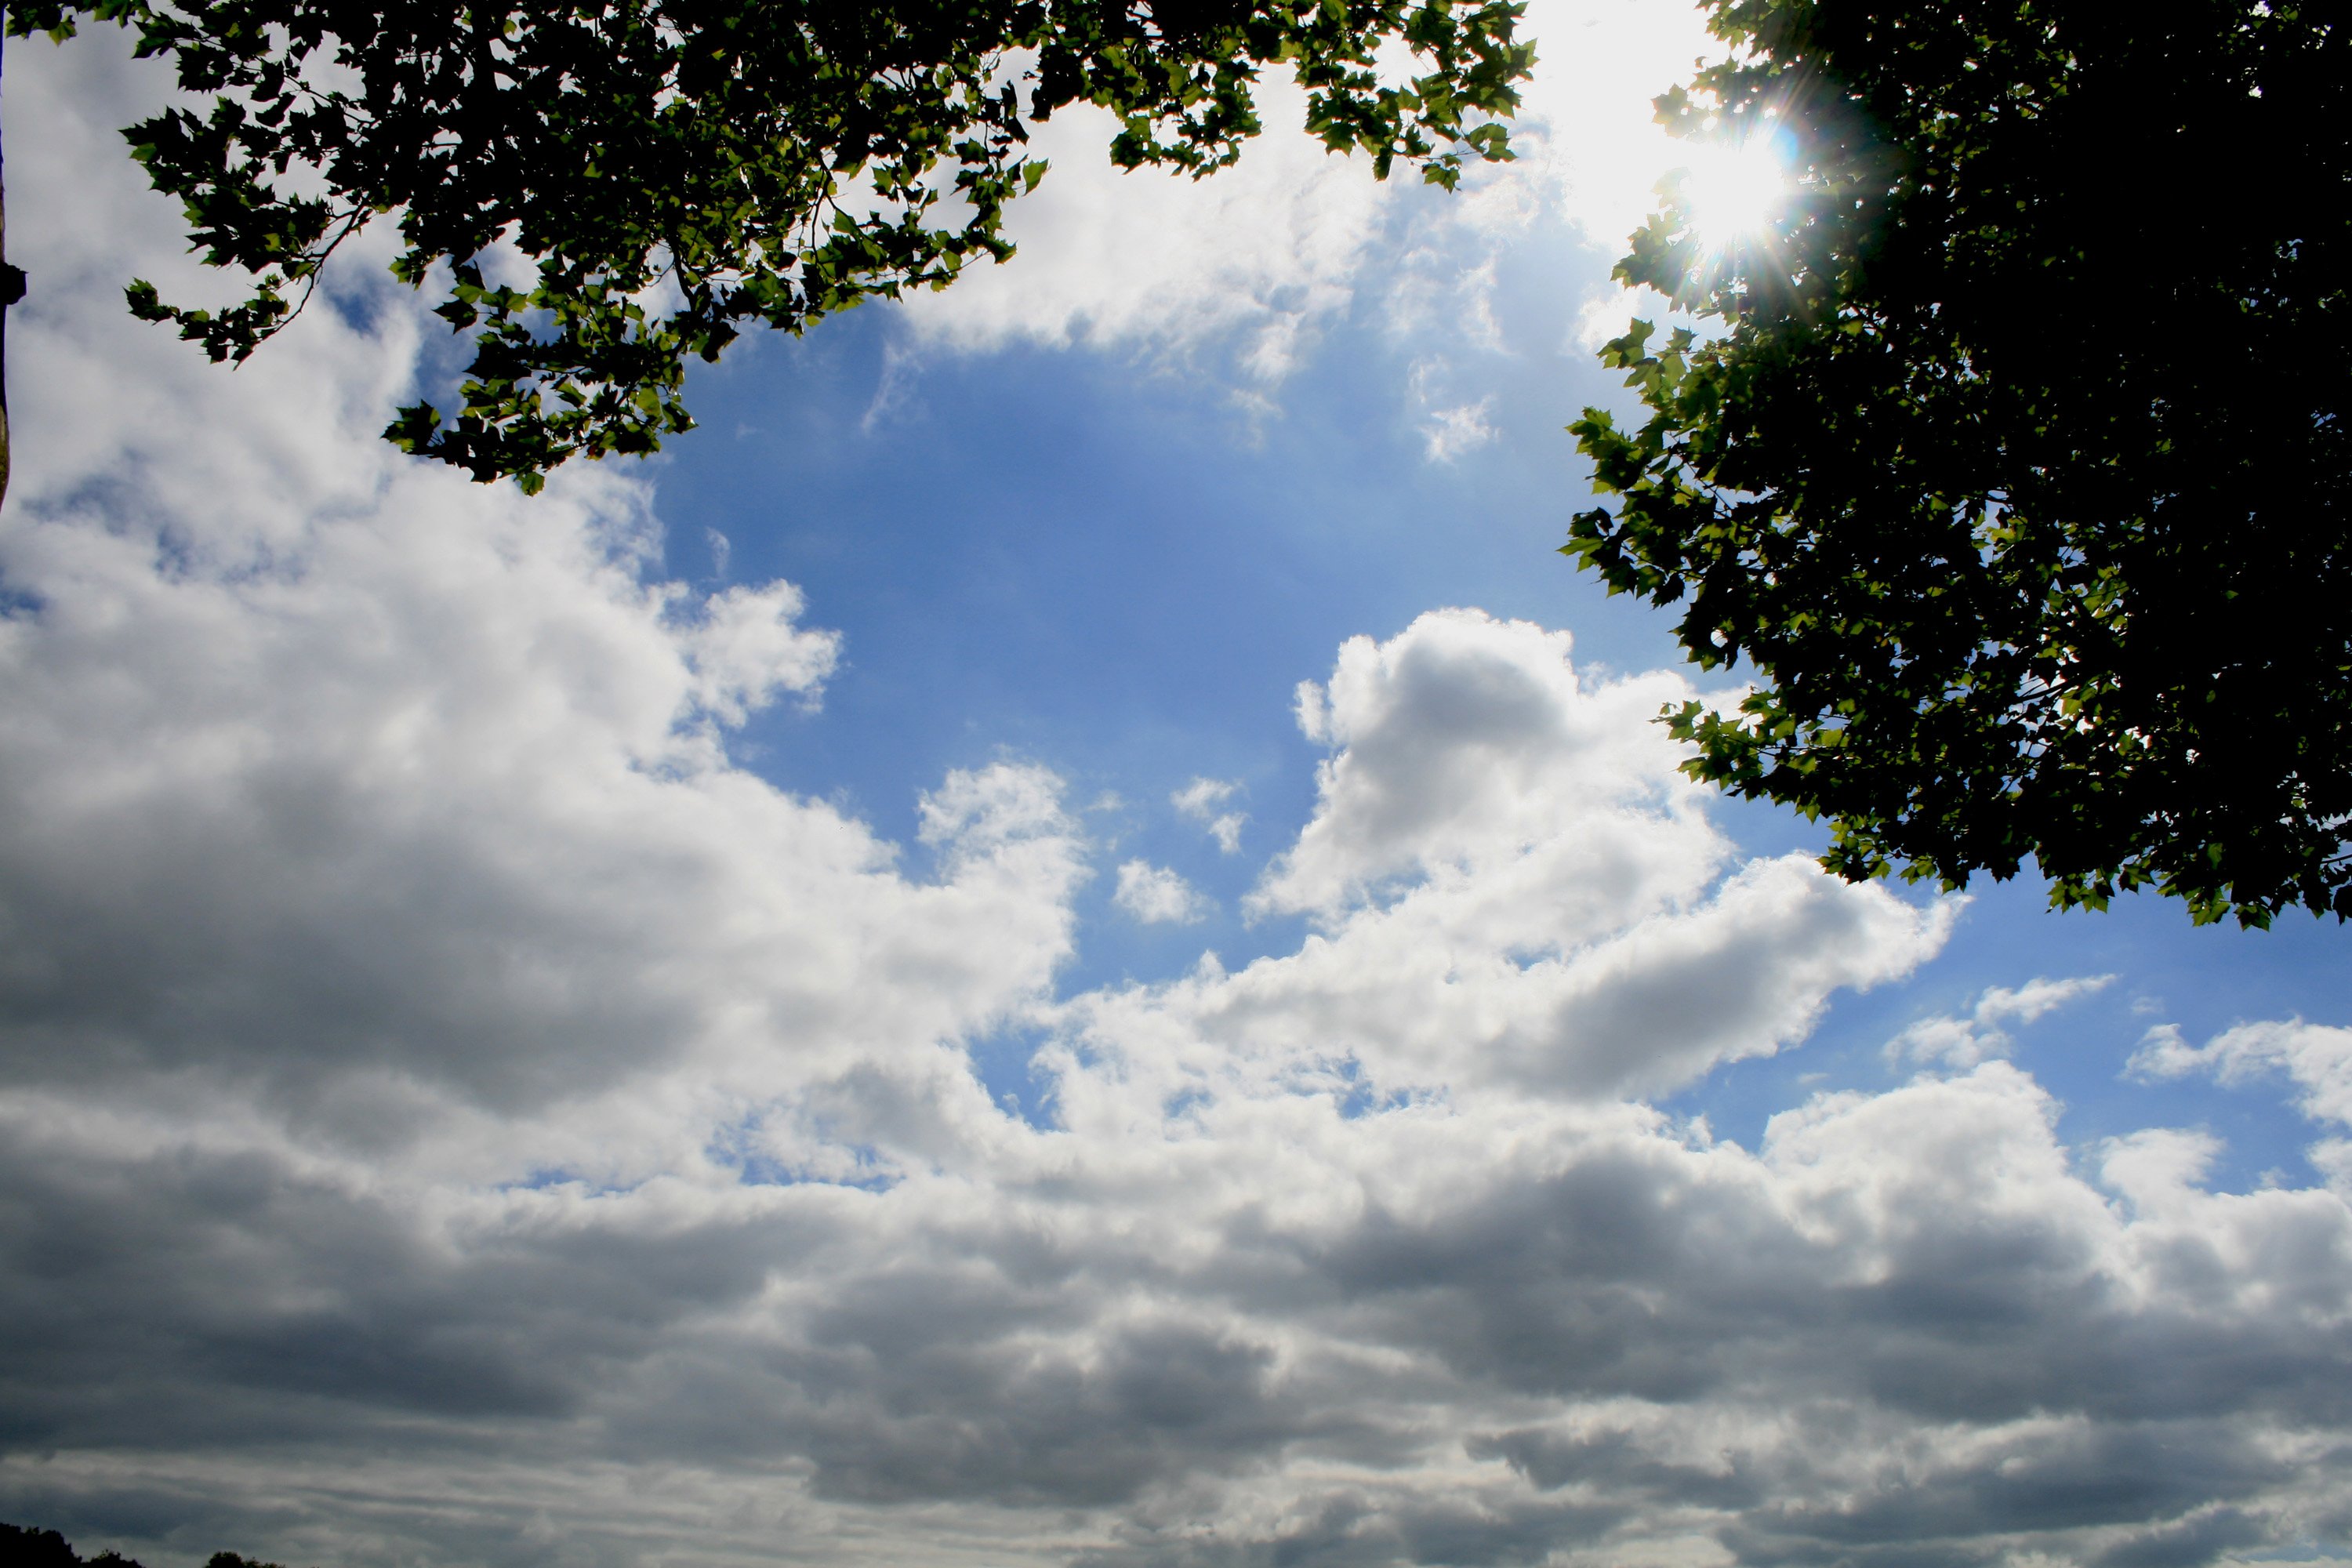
(2013, 456)
(673, 170)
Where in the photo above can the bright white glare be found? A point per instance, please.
(1731, 192)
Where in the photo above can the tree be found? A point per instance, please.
(2013, 456)
(671, 170)
(23, 1547)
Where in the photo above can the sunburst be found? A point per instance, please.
(1729, 192)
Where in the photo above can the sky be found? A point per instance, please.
(1062, 938)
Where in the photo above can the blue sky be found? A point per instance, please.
(1061, 939)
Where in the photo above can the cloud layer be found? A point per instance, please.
(451, 1109)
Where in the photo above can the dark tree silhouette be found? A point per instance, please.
(21, 1547)
(2014, 455)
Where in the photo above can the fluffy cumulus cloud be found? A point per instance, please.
(451, 1109)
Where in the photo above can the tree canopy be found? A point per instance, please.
(2011, 452)
(673, 170)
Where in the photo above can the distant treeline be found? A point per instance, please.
(22, 1548)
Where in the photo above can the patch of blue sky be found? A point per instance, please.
(1356, 1096)
(1185, 1103)
(1006, 1065)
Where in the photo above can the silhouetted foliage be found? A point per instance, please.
(2014, 455)
(670, 170)
(25, 1548)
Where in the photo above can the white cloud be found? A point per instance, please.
(1466, 740)
(1202, 797)
(1154, 894)
(451, 1111)
(2319, 1060)
(1516, 892)
(746, 648)
(1449, 431)
(1434, 293)
(1200, 800)
(1607, 315)
(1963, 1042)
(1263, 254)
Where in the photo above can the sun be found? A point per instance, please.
(1731, 190)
